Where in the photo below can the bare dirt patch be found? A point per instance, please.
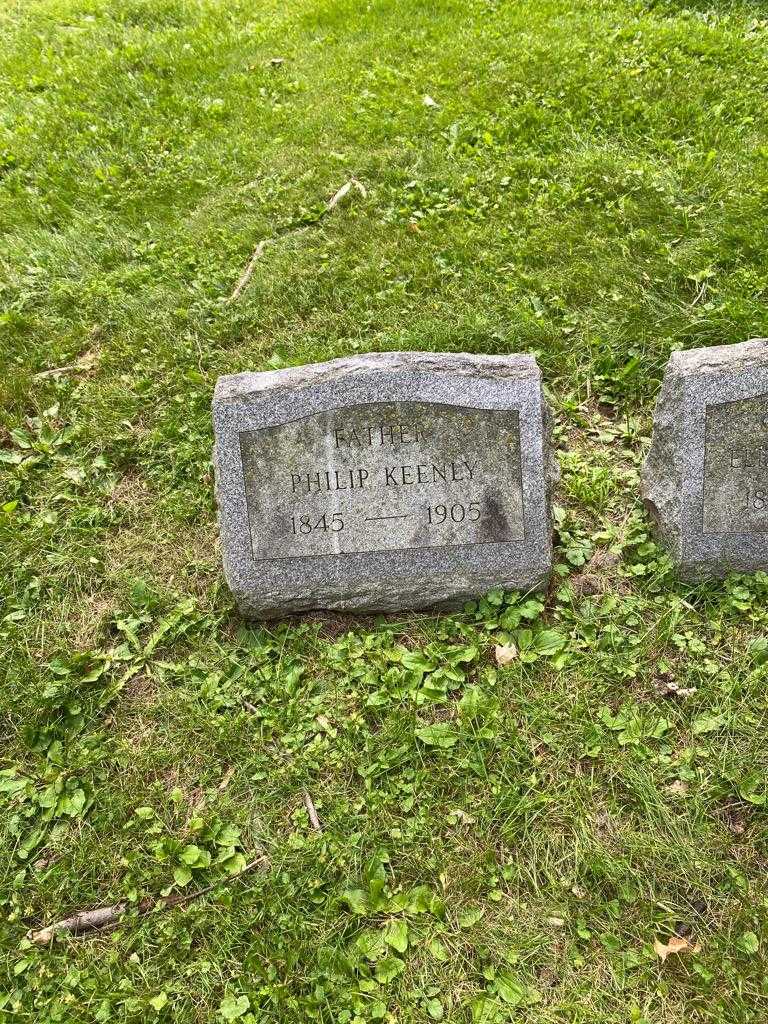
(90, 617)
(599, 576)
(131, 494)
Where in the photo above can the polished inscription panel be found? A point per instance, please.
(383, 476)
(736, 467)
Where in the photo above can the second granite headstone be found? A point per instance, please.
(705, 480)
(383, 482)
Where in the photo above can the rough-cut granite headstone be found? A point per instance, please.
(382, 482)
(705, 480)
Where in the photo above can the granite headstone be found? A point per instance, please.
(705, 480)
(383, 482)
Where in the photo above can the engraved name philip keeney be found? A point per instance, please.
(383, 476)
(736, 467)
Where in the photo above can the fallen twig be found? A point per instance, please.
(107, 917)
(333, 202)
(246, 275)
(85, 921)
(313, 818)
(345, 189)
(57, 371)
(700, 293)
(84, 362)
(181, 898)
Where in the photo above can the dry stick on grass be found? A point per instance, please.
(345, 189)
(700, 293)
(57, 371)
(107, 917)
(85, 362)
(332, 203)
(246, 275)
(313, 818)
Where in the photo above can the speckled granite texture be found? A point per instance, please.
(705, 480)
(484, 403)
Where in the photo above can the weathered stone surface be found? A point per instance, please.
(383, 482)
(705, 480)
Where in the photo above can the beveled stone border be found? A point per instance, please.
(395, 579)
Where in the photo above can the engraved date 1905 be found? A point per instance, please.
(456, 513)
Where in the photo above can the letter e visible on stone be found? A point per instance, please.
(311, 518)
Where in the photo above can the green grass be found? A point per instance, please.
(498, 843)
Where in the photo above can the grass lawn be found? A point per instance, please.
(586, 180)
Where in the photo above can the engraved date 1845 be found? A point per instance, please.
(308, 524)
(756, 500)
